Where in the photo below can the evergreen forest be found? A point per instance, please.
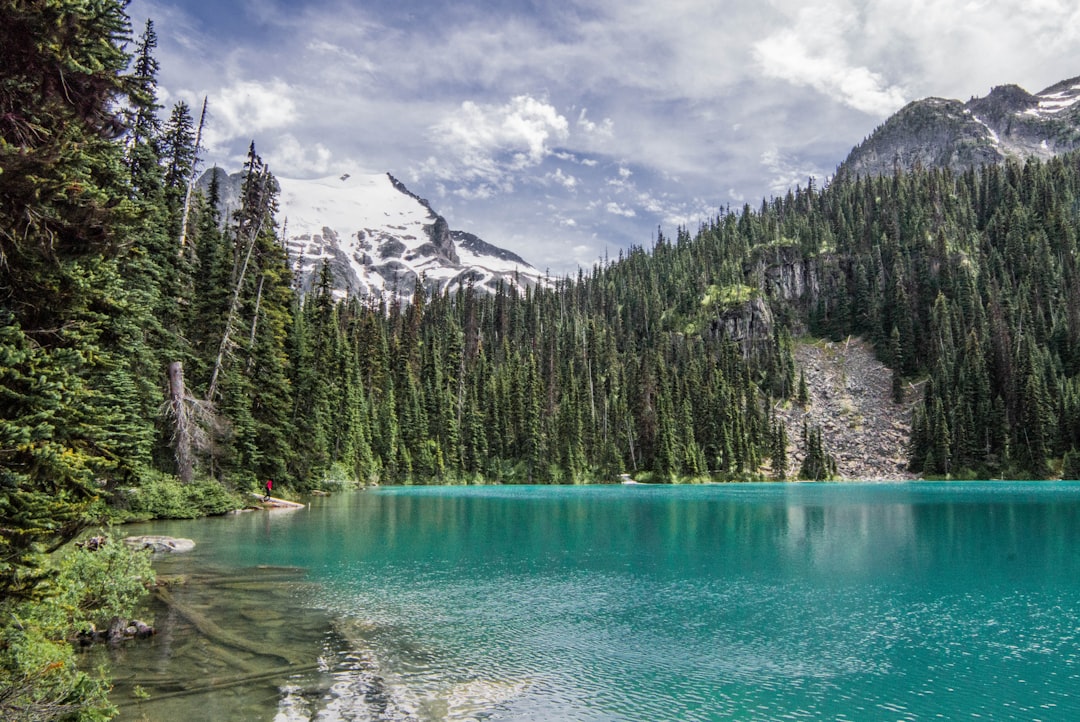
(149, 341)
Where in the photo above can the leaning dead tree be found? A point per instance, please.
(248, 231)
(191, 179)
(193, 417)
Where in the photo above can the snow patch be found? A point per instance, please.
(378, 238)
(993, 136)
(349, 204)
(1054, 103)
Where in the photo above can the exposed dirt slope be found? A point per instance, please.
(851, 400)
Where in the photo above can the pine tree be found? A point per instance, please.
(143, 139)
(61, 199)
(779, 452)
(68, 426)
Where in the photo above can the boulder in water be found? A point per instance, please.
(157, 543)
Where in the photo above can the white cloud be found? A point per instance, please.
(353, 61)
(787, 171)
(618, 210)
(815, 51)
(492, 143)
(568, 182)
(288, 157)
(481, 192)
(248, 107)
(606, 128)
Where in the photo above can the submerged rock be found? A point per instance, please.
(119, 630)
(160, 543)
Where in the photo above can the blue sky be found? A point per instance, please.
(568, 131)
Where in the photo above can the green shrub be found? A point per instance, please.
(38, 675)
(165, 497)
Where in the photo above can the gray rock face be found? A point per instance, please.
(782, 273)
(935, 132)
(749, 324)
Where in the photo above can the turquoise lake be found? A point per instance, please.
(852, 601)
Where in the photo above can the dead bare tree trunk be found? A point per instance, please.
(182, 433)
(191, 179)
(255, 320)
(230, 320)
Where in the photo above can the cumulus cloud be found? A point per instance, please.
(490, 143)
(618, 210)
(289, 157)
(568, 182)
(606, 128)
(248, 107)
(815, 52)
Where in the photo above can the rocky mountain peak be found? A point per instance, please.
(379, 238)
(1009, 122)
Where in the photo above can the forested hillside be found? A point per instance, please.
(144, 337)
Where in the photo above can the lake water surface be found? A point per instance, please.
(745, 601)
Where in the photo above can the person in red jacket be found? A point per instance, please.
(269, 488)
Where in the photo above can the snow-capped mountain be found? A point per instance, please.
(379, 238)
(1008, 123)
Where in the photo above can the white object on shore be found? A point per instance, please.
(274, 503)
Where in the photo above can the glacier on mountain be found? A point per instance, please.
(379, 239)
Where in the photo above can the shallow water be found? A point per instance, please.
(630, 602)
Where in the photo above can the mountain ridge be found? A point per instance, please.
(1007, 123)
(379, 238)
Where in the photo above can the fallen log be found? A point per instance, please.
(215, 684)
(275, 503)
(216, 633)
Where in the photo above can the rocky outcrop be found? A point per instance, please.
(156, 543)
(784, 277)
(442, 242)
(749, 324)
(783, 273)
(119, 630)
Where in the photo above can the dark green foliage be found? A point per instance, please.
(162, 497)
(62, 207)
(1070, 466)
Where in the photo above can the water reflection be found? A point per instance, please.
(635, 602)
